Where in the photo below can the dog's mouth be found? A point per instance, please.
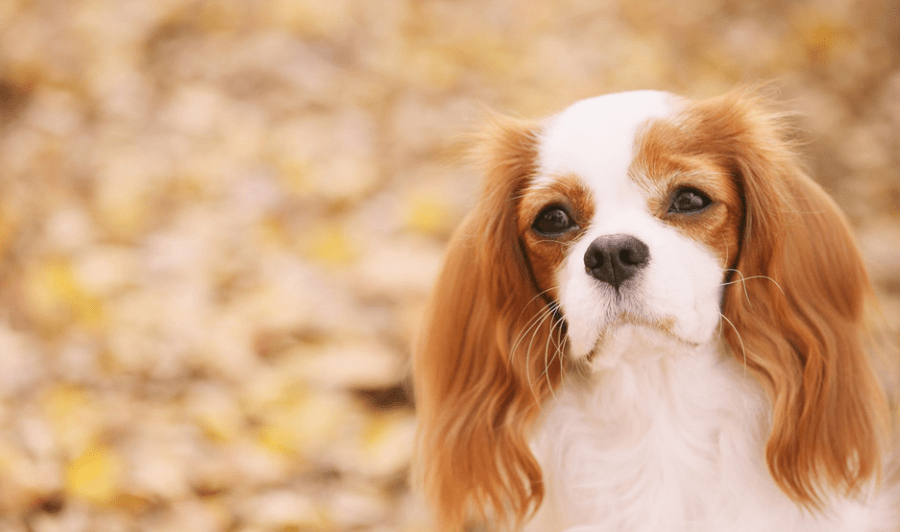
(625, 330)
(666, 325)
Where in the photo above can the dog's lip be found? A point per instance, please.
(665, 325)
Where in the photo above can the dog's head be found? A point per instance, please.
(642, 209)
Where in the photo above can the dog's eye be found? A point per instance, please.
(689, 200)
(553, 221)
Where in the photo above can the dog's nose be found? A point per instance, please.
(614, 259)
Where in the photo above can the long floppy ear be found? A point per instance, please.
(476, 399)
(797, 311)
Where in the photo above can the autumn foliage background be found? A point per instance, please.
(219, 222)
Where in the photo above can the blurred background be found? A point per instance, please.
(220, 220)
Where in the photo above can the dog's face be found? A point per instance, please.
(623, 226)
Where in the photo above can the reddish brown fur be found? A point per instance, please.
(476, 400)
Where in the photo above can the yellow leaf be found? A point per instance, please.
(73, 415)
(303, 423)
(821, 37)
(331, 246)
(54, 296)
(293, 176)
(93, 476)
(215, 413)
(280, 430)
(385, 443)
(64, 403)
(428, 214)
(278, 438)
(273, 233)
(310, 18)
(125, 221)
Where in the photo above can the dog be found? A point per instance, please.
(653, 320)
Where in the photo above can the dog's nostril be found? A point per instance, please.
(593, 259)
(634, 253)
(614, 259)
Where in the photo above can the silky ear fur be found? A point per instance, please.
(478, 388)
(796, 310)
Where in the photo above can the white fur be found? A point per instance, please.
(666, 432)
(671, 438)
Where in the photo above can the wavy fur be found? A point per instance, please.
(794, 313)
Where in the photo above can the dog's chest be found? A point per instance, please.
(675, 443)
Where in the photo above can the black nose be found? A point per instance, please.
(614, 259)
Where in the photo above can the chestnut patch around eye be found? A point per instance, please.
(550, 216)
(558, 210)
(689, 181)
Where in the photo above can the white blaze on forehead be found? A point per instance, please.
(595, 138)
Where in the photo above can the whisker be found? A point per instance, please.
(742, 279)
(561, 358)
(740, 340)
(727, 260)
(531, 332)
(743, 285)
(533, 323)
(546, 360)
(563, 244)
(535, 320)
(557, 352)
(549, 312)
(530, 301)
(544, 315)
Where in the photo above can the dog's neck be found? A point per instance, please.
(641, 379)
(658, 435)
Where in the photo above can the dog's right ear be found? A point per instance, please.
(474, 397)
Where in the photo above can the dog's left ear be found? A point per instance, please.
(478, 387)
(796, 310)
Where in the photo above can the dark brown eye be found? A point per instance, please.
(688, 200)
(553, 221)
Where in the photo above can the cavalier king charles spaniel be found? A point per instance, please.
(653, 320)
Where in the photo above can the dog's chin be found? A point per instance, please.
(633, 338)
